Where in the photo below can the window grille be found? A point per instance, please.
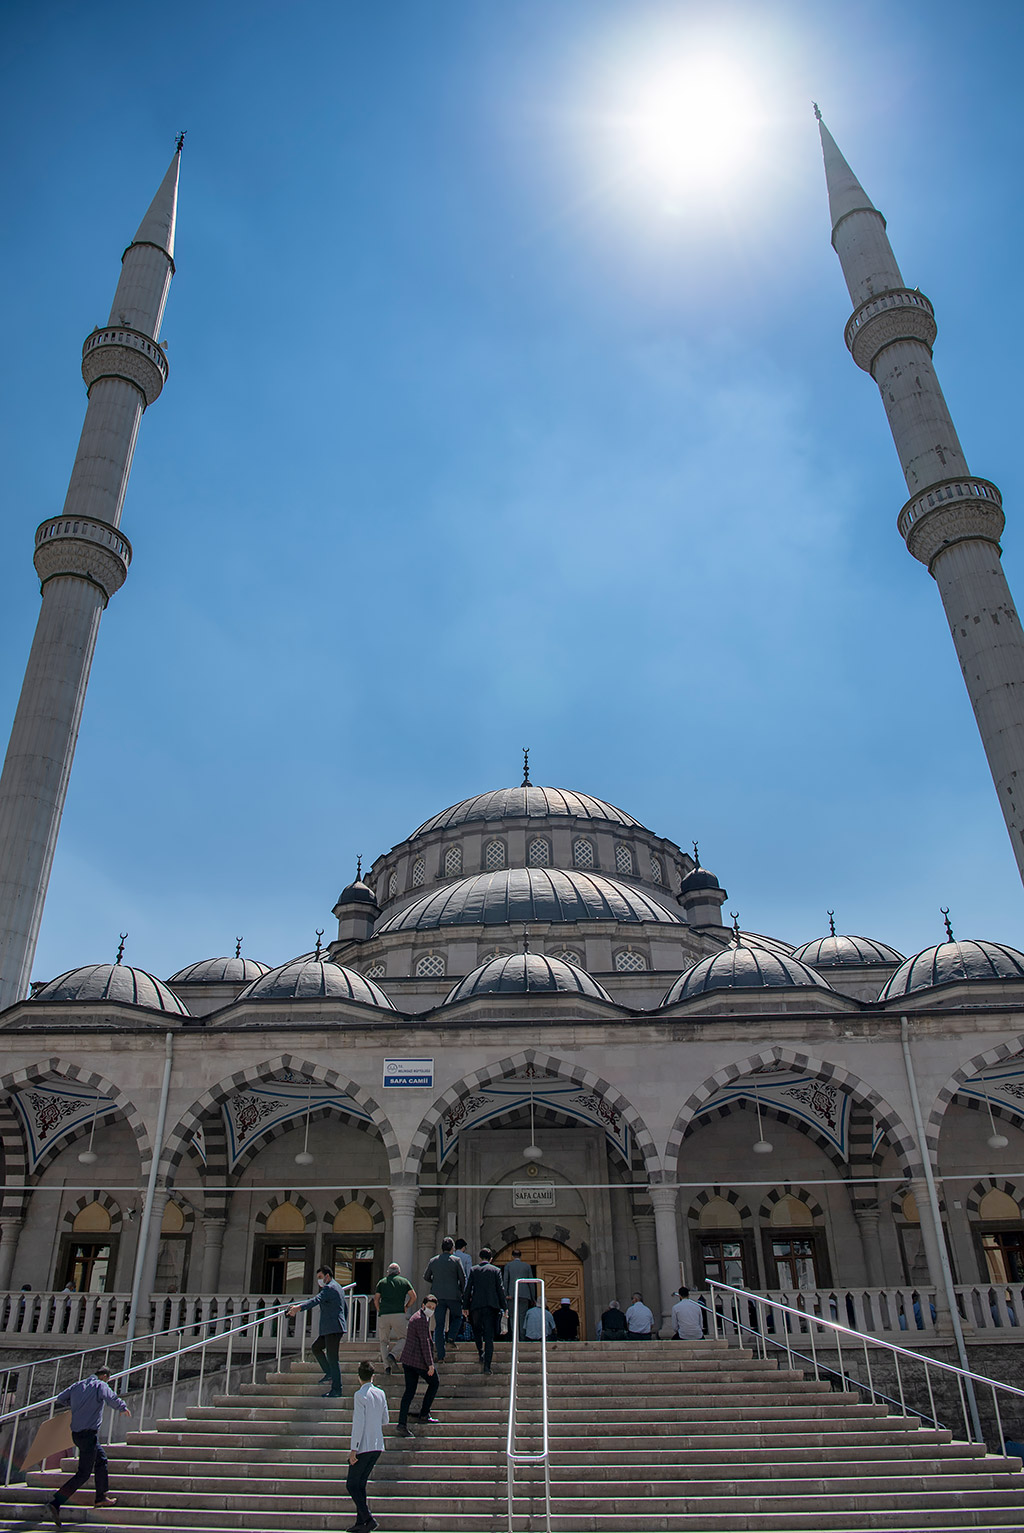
(392, 886)
(630, 962)
(419, 872)
(570, 955)
(657, 871)
(583, 854)
(430, 966)
(539, 854)
(494, 856)
(623, 859)
(453, 862)
(375, 971)
(495, 952)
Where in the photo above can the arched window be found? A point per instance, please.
(570, 955)
(375, 971)
(583, 853)
(353, 1219)
(430, 966)
(392, 885)
(286, 1219)
(1002, 1248)
(494, 856)
(789, 1211)
(624, 860)
(719, 1214)
(629, 961)
(998, 1205)
(657, 870)
(539, 854)
(495, 952)
(93, 1219)
(453, 862)
(419, 872)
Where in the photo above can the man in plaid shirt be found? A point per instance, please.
(418, 1363)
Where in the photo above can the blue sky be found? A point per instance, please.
(488, 426)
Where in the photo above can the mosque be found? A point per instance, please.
(537, 1024)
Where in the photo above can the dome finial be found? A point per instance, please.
(120, 947)
(526, 767)
(831, 922)
(526, 939)
(736, 928)
(179, 142)
(319, 949)
(817, 111)
(359, 866)
(238, 947)
(945, 916)
(696, 856)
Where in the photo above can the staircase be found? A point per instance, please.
(680, 1436)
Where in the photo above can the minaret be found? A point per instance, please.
(81, 559)
(953, 521)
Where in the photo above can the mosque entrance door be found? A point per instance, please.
(560, 1269)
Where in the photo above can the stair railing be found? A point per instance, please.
(773, 1324)
(515, 1456)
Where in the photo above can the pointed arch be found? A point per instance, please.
(892, 1125)
(181, 1135)
(960, 1077)
(550, 1064)
(42, 1070)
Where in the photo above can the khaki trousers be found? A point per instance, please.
(390, 1329)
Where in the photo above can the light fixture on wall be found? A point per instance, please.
(88, 1156)
(762, 1147)
(996, 1141)
(533, 1150)
(304, 1158)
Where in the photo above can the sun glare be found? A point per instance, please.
(690, 124)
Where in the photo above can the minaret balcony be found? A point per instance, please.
(901, 314)
(119, 352)
(952, 511)
(85, 548)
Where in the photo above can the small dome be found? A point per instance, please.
(697, 880)
(527, 972)
(357, 893)
(835, 952)
(113, 982)
(220, 971)
(527, 803)
(947, 962)
(517, 895)
(743, 968)
(304, 977)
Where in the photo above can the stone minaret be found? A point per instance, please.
(81, 559)
(953, 520)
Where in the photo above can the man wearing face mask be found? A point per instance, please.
(418, 1363)
(331, 1303)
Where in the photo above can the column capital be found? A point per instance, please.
(403, 1199)
(663, 1199)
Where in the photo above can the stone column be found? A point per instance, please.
(403, 1206)
(647, 1281)
(667, 1237)
(161, 1198)
(10, 1230)
(213, 1246)
(426, 1246)
(867, 1224)
(930, 1236)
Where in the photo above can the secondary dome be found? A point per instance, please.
(947, 962)
(219, 971)
(833, 952)
(527, 803)
(312, 977)
(528, 894)
(743, 968)
(522, 973)
(357, 893)
(113, 982)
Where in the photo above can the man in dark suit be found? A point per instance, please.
(331, 1303)
(484, 1302)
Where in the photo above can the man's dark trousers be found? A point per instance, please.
(325, 1350)
(355, 1484)
(449, 1313)
(485, 1328)
(91, 1458)
(412, 1379)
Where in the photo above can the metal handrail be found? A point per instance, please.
(514, 1455)
(966, 1379)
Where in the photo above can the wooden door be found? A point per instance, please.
(560, 1269)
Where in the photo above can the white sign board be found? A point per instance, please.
(533, 1195)
(408, 1072)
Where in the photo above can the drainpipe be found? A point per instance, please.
(935, 1216)
(147, 1212)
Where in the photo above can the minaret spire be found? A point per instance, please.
(953, 520)
(81, 559)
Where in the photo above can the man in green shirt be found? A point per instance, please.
(395, 1296)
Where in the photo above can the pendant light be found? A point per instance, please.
(533, 1150)
(304, 1158)
(762, 1146)
(88, 1157)
(996, 1141)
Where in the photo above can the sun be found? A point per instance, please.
(689, 123)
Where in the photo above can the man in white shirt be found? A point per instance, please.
(369, 1417)
(639, 1320)
(538, 1322)
(687, 1317)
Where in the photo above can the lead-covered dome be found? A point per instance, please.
(743, 968)
(835, 952)
(528, 894)
(309, 978)
(527, 803)
(526, 973)
(220, 971)
(117, 982)
(948, 962)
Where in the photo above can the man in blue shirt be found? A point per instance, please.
(87, 1399)
(331, 1303)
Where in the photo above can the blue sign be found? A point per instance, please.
(408, 1072)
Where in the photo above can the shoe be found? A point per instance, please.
(389, 1369)
(53, 1511)
(333, 1394)
(368, 1527)
(402, 1430)
(392, 1359)
(433, 1420)
(453, 1346)
(106, 1501)
(488, 1370)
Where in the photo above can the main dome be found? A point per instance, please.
(526, 973)
(743, 968)
(528, 894)
(305, 978)
(117, 982)
(947, 962)
(527, 803)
